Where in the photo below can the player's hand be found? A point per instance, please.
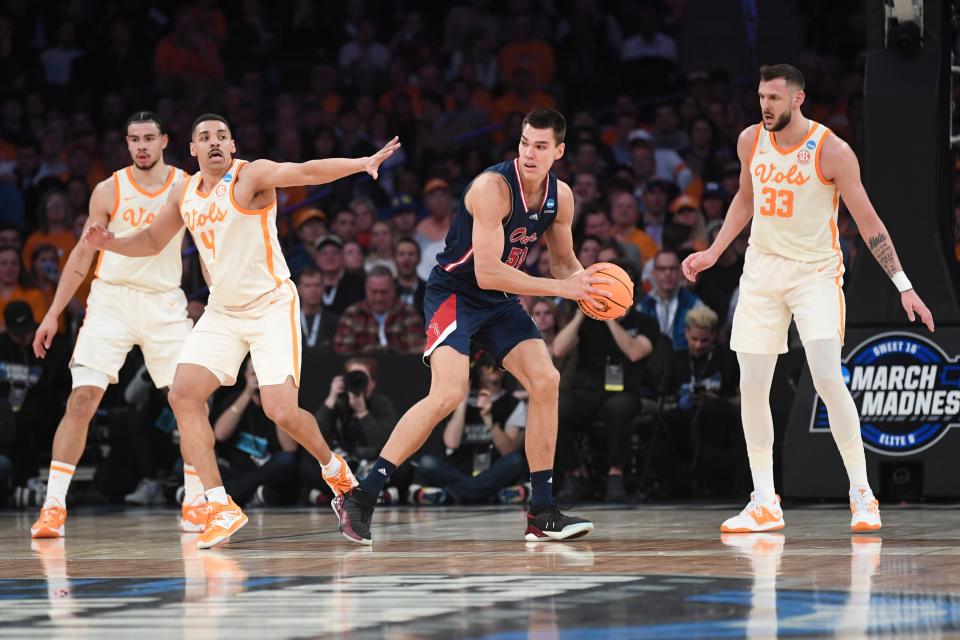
(44, 336)
(250, 377)
(697, 262)
(97, 236)
(583, 286)
(914, 306)
(371, 164)
(337, 386)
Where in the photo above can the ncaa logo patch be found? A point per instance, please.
(551, 203)
(803, 156)
(227, 177)
(811, 145)
(907, 393)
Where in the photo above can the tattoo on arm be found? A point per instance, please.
(79, 273)
(882, 249)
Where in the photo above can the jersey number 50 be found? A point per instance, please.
(776, 202)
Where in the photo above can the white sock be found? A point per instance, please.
(192, 487)
(756, 376)
(823, 358)
(61, 474)
(332, 468)
(218, 495)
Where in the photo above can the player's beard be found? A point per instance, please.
(151, 164)
(780, 123)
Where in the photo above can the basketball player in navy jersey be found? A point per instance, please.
(472, 295)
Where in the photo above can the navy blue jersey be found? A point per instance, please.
(524, 226)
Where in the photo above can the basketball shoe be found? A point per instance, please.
(225, 520)
(550, 524)
(342, 481)
(193, 517)
(758, 515)
(51, 523)
(865, 510)
(354, 511)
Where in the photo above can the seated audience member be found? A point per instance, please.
(341, 288)
(597, 224)
(625, 214)
(33, 392)
(317, 325)
(705, 432)
(309, 224)
(354, 257)
(484, 447)
(607, 383)
(355, 421)
(380, 322)
(13, 283)
(403, 213)
(54, 226)
(410, 286)
(258, 461)
(381, 247)
(669, 301)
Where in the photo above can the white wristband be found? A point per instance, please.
(901, 281)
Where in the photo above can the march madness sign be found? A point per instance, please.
(906, 389)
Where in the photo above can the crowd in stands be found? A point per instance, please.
(650, 156)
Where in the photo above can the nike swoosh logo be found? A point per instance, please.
(125, 198)
(761, 151)
(226, 520)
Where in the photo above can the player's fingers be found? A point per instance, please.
(927, 318)
(594, 291)
(600, 280)
(910, 314)
(596, 266)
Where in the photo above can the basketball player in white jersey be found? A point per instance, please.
(230, 207)
(794, 171)
(133, 301)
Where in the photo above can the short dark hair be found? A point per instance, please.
(205, 118)
(597, 207)
(308, 271)
(407, 240)
(145, 116)
(788, 72)
(365, 361)
(380, 271)
(547, 119)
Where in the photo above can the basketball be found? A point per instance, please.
(621, 294)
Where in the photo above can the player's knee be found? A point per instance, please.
(447, 399)
(82, 403)
(182, 399)
(280, 413)
(828, 383)
(545, 384)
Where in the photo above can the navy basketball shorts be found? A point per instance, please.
(455, 318)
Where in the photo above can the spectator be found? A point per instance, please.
(13, 283)
(45, 274)
(597, 224)
(588, 248)
(24, 170)
(701, 155)
(317, 324)
(484, 448)
(187, 54)
(648, 42)
(354, 419)
(380, 322)
(363, 54)
(10, 237)
(58, 60)
(670, 301)
(666, 163)
(354, 257)
(586, 190)
(341, 288)
(54, 227)
(258, 460)
(705, 428)
(522, 97)
(432, 230)
(343, 225)
(625, 215)
(364, 215)
(410, 286)
(667, 133)
(713, 202)
(33, 391)
(549, 320)
(607, 383)
(308, 225)
(403, 214)
(655, 199)
(686, 212)
(381, 248)
(526, 51)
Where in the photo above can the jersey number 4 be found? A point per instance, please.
(776, 202)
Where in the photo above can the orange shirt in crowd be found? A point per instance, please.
(33, 297)
(646, 245)
(64, 241)
(533, 55)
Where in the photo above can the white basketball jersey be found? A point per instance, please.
(238, 246)
(134, 209)
(794, 206)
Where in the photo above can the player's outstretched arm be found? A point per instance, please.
(76, 268)
(489, 202)
(266, 174)
(738, 215)
(839, 164)
(151, 240)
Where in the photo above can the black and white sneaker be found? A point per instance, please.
(550, 524)
(354, 510)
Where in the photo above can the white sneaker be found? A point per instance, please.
(757, 516)
(865, 510)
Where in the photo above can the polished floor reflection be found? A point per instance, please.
(650, 572)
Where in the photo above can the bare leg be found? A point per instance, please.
(71, 437)
(280, 404)
(450, 377)
(191, 388)
(530, 363)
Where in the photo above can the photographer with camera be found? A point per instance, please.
(354, 419)
(705, 431)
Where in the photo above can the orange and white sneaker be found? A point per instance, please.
(193, 517)
(51, 522)
(225, 520)
(758, 515)
(865, 510)
(343, 480)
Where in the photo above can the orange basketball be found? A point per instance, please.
(621, 294)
